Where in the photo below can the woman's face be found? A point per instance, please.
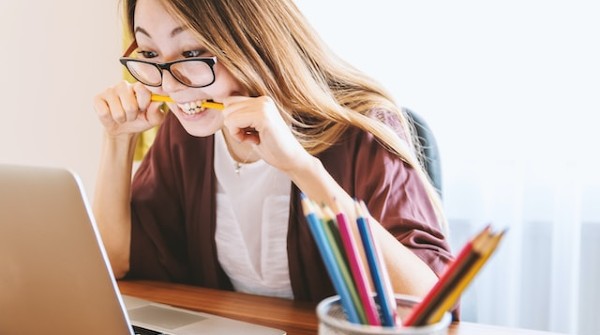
(161, 39)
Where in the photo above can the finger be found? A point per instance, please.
(143, 96)
(103, 111)
(110, 98)
(241, 127)
(117, 112)
(155, 115)
(240, 115)
(250, 135)
(234, 99)
(129, 103)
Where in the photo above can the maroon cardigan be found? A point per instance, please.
(174, 211)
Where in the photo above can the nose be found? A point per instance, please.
(169, 83)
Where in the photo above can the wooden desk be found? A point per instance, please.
(294, 317)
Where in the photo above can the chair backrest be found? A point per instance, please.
(429, 149)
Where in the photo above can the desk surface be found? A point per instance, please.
(294, 317)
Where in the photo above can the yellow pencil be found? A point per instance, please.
(161, 98)
(212, 105)
(205, 103)
(486, 249)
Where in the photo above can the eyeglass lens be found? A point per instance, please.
(190, 73)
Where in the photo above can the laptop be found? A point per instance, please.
(54, 273)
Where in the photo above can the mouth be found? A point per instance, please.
(192, 108)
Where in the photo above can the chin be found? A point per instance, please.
(199, 125)
(199, 130)
(194, 133)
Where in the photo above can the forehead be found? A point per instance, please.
(152, 19)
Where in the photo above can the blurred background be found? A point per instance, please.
(510, 89)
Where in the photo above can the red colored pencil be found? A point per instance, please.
(466, 258)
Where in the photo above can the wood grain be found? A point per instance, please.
(296, 318)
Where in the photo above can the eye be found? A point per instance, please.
(147, 54)
(193, 53)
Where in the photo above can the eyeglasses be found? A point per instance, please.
(192, 72)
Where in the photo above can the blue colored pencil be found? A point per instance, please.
(379, 276)
(318, 232)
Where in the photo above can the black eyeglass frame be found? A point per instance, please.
(210, 61)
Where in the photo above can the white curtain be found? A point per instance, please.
(511, 90)
(546, 272)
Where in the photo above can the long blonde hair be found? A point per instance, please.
(270, 48)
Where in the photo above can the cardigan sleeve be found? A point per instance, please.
(396, 197)
(394, 194)
(173, 211)
(156, 248)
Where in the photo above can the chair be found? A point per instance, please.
(429, 149)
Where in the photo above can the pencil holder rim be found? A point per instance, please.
(344, 325)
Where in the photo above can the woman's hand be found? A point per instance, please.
(126, 109)
(258, 121)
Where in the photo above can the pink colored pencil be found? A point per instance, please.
(358, 270)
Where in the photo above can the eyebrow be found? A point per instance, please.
(144, 32)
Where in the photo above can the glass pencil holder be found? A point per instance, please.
(332, 320)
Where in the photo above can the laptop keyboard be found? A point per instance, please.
(137, 330)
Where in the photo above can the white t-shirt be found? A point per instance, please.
(252, 222)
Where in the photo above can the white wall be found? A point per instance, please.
(55, 56)
(502, 77)
(520, 66)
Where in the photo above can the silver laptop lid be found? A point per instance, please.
(46, 286)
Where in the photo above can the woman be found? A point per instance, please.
(216, 201)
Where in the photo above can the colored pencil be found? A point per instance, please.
(447, 291)
(379, 275)
(419, 314)
(205, 103)
(485, 251)
(333, 236)
(161, 98)
(358, 269)
(318, 232)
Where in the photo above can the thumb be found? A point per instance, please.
(156, 115)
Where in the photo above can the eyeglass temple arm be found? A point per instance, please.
(130, 49)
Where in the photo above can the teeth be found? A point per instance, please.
(191, 108)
